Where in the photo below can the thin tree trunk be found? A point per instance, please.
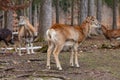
(35, 17)
(57, 11)
(21, 11)
(114, 14)
(5, 19)
(78, 5)
(30, 12)
(72, 13)
(99, 10)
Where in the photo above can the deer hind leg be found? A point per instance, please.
(27, 48)
(30, 41)
(20, 49)
(49, 51)
(56, 54)
(76, 55)
(6, 44)
(32, 50)
(15, 47)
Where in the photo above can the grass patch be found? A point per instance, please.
(103, 60)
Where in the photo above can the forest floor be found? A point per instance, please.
(97, 61)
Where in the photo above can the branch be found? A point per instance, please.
(8, 5)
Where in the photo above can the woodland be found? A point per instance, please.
(98, 55)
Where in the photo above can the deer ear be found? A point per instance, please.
(87, 21)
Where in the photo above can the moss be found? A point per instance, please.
(43, 49)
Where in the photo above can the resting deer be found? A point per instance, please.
(59, 35)
(110, 34)
(26, 33)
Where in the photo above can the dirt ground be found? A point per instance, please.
(97, 61)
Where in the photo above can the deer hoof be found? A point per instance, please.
(71, 64)
(48, 67)
(77, 65)
(59, 68)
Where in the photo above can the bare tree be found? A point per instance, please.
(91, 7)
(114, 14)
(45, 17)
(99, 10)
(72, 12)
(35, 21)
(30, 12)
(9, 6)
(83, 10)
(10, 20)
(57, 11)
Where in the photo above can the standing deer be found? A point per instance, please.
(59, 35)
(26, 33)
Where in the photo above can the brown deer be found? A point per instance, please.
(110, 34)
(26, 34)
(59, 35)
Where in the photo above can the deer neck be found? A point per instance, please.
(104, 29)
(86, 28)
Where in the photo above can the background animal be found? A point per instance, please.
(26, 34)
(6, 36)
(59, 35)
(110, 34)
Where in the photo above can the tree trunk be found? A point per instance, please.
(5, 19)
(83, 10)
(91, 7)
(30, 12)
(57, 11)
(3, 22)
(21, 12)
(10, 20)
(45, 17)
(72, 13)
(114, 14)
(35, 17)
(99, 10)
(78, 18)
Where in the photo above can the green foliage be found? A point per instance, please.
(63, 4)
(36, 2)
(109, 2)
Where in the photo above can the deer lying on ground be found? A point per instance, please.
(6, 36)
(26, 33)
(59, 35)
(110, 34)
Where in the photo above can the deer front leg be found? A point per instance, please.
(71, 58)
(76, 55)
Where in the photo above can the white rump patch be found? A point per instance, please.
(51, 35)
